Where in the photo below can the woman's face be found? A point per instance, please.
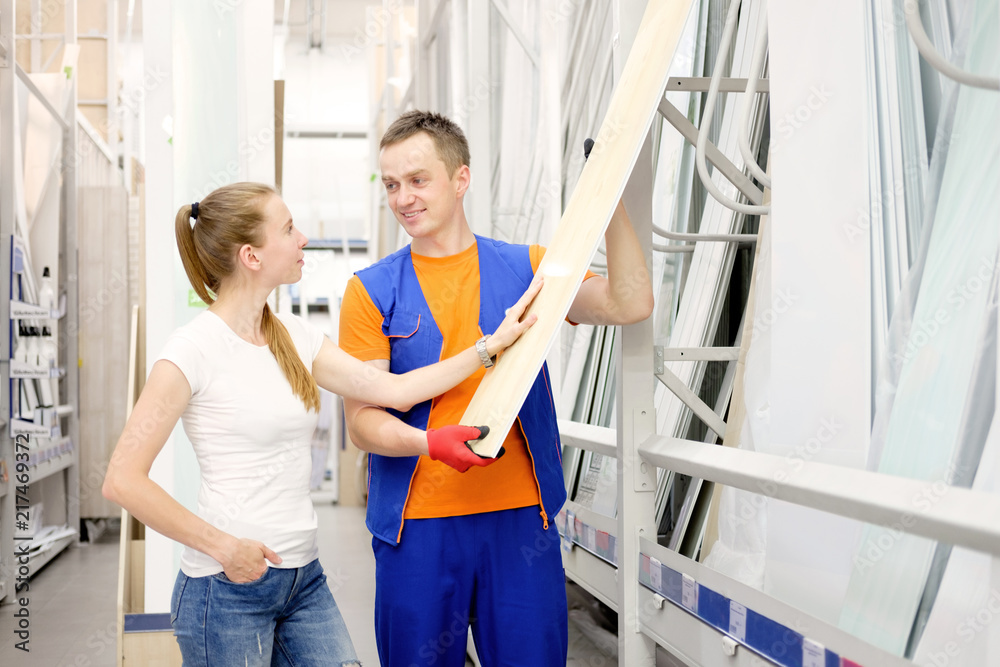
(281, 254)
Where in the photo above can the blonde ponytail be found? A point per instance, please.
(187, 247)
(229, 218)
(280, 343)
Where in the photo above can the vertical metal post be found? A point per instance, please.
(551, 94)
(8, 206)
(477, 107)
(113, 120)
(421, 61)
(379, 110)
(71, 281)
(549, 195)
(157, 46)
(35, 29)
(636, 422)
(993, 643)
(633, 375)
(389, 46)
(7, 212)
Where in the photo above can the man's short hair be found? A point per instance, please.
(449, 140)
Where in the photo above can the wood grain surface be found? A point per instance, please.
(617, 144)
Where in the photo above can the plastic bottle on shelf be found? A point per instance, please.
(21, 349)
(47, 352)
(45, 396)
(27, 352)
(33, 336)
(46, 293)
(46, 348)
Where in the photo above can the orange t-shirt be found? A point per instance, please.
(437, 490)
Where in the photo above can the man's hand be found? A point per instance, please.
(449, 444)
(512, 326)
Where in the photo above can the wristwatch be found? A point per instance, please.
(483, 354)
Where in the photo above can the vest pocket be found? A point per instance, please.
(401, 324)
(409, 341)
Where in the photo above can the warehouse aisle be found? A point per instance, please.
(72, 601)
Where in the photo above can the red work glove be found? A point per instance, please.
(449, 444)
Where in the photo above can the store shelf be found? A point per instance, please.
(38, 560)
(590, 530)
(589, 551)
(50, 467)
(53, 243)
(50, 459)
(695, 611)
(594, 574)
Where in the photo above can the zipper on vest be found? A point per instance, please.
(541, 503)
(402, 513)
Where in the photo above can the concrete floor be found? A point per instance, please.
(72, 600)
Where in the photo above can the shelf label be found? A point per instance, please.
(655, 574)
(21, 427)
(19, 369)
(19, 310)
(689, 592)
(738, 620)
(568, 526)
(813, 654)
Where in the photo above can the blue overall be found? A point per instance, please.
(500, 570)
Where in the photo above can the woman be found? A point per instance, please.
(251, 590)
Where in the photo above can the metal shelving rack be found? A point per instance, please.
(666, 600)
(52, 467)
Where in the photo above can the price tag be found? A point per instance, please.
(655, 574)
(20, 310)
(689, 593)
(813, 654)
(738, 620)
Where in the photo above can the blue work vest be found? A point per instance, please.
(415, 341)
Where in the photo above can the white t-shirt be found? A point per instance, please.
(251, 436)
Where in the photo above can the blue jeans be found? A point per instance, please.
(499, 572)
(287, 617)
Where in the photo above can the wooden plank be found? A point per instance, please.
(132, 545)
(139, 183)
(137, 575)
(152, 649)
(601, 184)
(123, 604)
(279, 132)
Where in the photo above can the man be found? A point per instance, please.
(456, 536)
